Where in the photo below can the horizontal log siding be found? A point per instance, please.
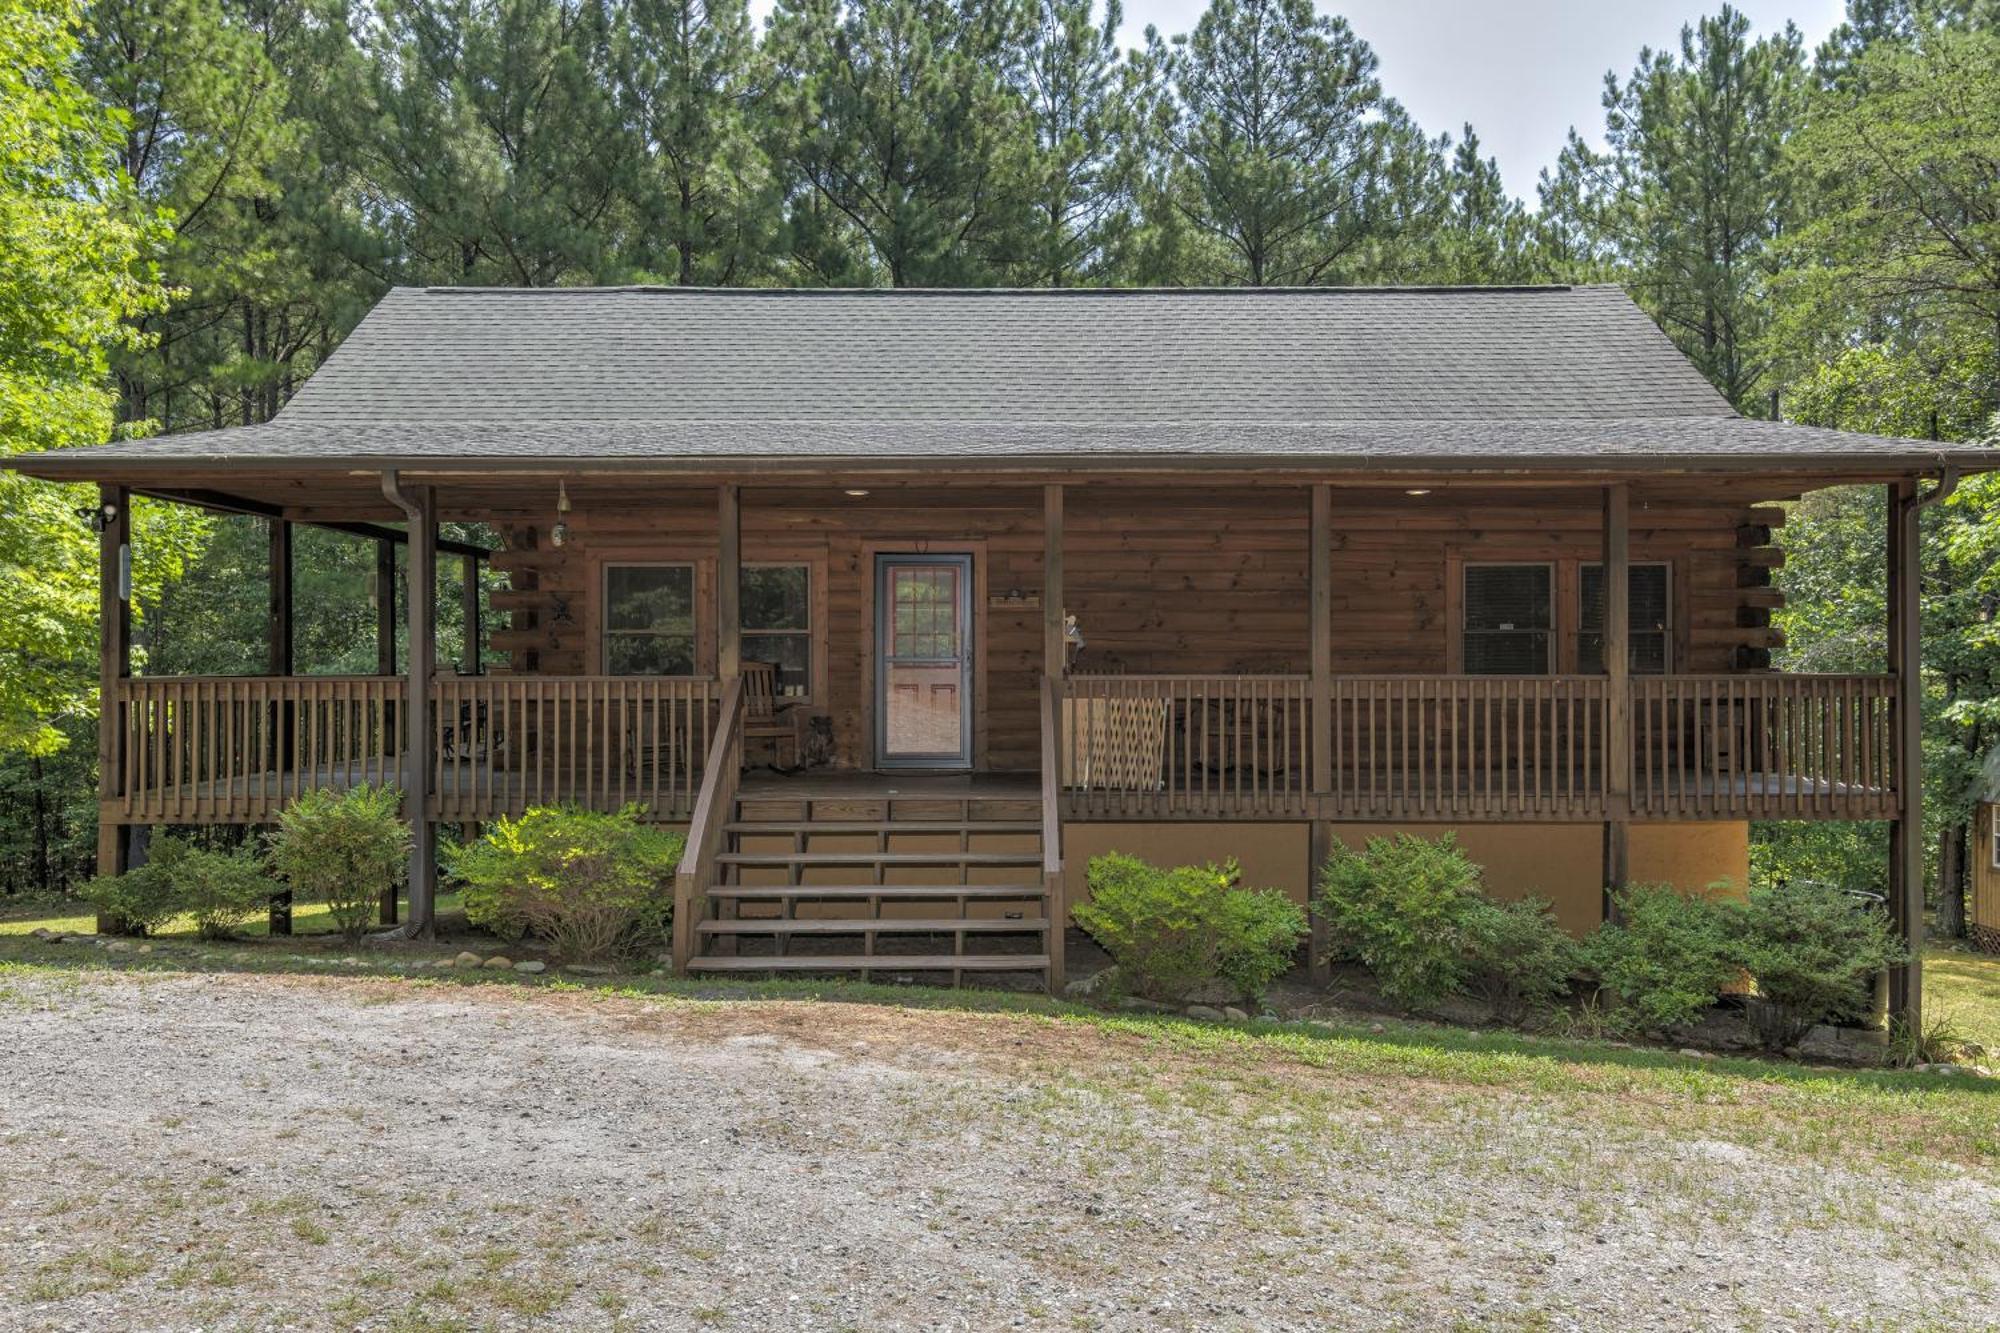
(1182, 582)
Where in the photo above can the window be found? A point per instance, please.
(1509, 627)
(649, 620)
(1649, 615)
(777, 623)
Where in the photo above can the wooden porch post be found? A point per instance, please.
(1617, 670)
(1319, 580)
(114, 615)
(1906, 845)
(729, 582)
(421, 596)
(278, 661)
(1055, 645)
(385, 608)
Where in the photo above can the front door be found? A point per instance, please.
(923, 661)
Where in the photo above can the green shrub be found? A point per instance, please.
(593, 884)
(144, 898)
(1517, 958)
(1174, 930)
(1813, 952)
(343, 848)
(1667, 955)
(1400, 907)
(222, 890)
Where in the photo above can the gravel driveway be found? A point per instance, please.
(271, 1152)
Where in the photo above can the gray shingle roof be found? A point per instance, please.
(1409, 375)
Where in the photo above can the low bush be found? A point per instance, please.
(1399, 906)
(1666, 955)
(1173, 930)
(343, 848)
(1518, 959)
(144, 898)
(592, 884)
(1814, 953)
(221, 890)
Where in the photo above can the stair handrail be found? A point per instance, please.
(722, 773)
(1054, 896)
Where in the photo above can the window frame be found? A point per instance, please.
(1670, 638)
(1553, 631)
(606, 633)
(810, 633)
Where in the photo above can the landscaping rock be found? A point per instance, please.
(1209, 1012)
(1694, 1054)
(145, 948)
(1095, 986)
(1235, 1015)
(1141, 1005)
(467, 958)
(588, 969)
(1215, 993)
(44, 933)
(499, 962)
(531, 966)
(119, 946)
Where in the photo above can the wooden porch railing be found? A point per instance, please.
(1435, 747)
(714, 808)
(236, 749)
(1438, 748)
(1764, 747)
(501, 744)
(1152, 746)
(195, 749)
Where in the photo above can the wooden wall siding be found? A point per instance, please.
(1185, 581)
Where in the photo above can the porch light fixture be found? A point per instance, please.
(855, 493)
(559, 534)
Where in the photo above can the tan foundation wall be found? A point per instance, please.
(1562, 862)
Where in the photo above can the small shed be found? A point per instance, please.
(1983, 916)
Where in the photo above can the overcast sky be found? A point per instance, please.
(1522, 71)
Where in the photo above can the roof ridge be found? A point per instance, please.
(661, 289)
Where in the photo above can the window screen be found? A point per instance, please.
(649, 620)
(777, 623)
(1650, 617)
(1509, 628)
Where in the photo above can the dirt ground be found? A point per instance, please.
(181, 1152)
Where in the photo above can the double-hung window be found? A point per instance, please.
(649, 620)
(1509, 620)
(1649, 619)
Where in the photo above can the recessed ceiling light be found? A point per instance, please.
(855, 491)
(1419, 490)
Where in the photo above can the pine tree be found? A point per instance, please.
(706, 204)
(1072, 81)
(902, 117)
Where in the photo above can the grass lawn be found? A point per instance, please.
(68, 914)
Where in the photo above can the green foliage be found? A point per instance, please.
(1173, 930)
(1666, 955)
(343, 848)
(221, 890)
(1814, 952)
(593, 884)
(144, 898)
(1518, 959)
(1400, 907)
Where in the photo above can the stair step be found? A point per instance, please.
(879, 858)
(871, 926)
(952, 826)
(881, 962)
(887, 892)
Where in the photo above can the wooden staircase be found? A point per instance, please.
(877, 881)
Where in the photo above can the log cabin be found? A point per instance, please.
(906, 603)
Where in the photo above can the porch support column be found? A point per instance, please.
(114, 618)
(1055, 647)
(419, 506)
(1319, 581)
(729, 582)
(1617, 671)
(1906, 843)
(278, 661)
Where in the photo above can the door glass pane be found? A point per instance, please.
(923, 676)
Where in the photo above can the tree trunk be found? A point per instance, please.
(42, 875)
(1952, 843)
